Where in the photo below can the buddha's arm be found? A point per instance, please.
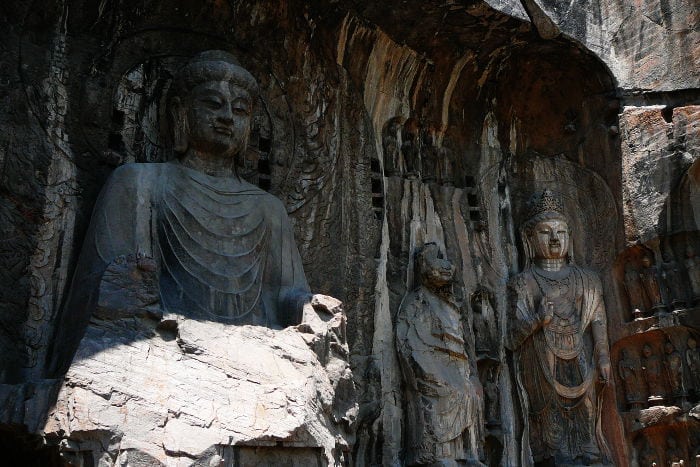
(115, 230)
(294, 290)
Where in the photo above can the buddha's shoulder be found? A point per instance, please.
(136, 172)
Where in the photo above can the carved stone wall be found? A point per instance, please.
(383, 126)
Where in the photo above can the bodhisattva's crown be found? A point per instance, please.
(546, 202)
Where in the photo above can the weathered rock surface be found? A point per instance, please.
(660, 144)
(183, 391)
(598, 96)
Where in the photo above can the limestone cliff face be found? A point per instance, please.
(381, 126)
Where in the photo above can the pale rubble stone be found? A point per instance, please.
(175, 397)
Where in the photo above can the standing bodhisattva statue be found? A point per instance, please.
(220, 248)
(558, 333)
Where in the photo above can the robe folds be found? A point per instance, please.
(441, 397)
(557, 364)
(224, 250)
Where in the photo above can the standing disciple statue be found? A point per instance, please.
(650, 279)
(675, 285)
(692, 267)
(651, 368)
(692, 359)
(635, 292)
(222, 249)
(631, 376)
(440, 392)
(558, 332)
(673, 363)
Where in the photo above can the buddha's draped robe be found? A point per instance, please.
(225, 249)
(557, 364)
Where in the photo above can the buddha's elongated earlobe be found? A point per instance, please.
(179, 119)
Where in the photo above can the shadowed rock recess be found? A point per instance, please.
(281, 232)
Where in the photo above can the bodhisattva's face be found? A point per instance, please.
(218, 116)
(550, 239)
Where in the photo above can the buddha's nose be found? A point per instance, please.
(226, 114)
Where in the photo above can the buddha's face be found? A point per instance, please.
(550, 239)
(218, 117)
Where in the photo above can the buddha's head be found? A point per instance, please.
(546, 233)
(433, 268)
(212, 106)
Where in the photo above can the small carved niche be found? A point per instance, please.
(665, 446)
(657, 368)
(640, 283)
(416, 149)
(483, 314)
(377, 189)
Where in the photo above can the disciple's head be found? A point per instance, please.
(433, 268)
(692, 343)
(646, 350)
(212, 107)
(546, 233)
(669, 348)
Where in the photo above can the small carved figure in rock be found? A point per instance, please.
(441, 401)
(411, 147)
(692, 359)
(391, 143)
(635, 291)
(675, 285)
(429, 155)
(493, 406)
(557, 329)
(651, 368)
(694, 447)
(481, 306)
(224, 249)
(650, 279)
(630, 372)
(648, 456)
(673, 363)
(692, 267)
(674, 454)
(446, 166)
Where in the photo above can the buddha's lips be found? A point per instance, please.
(223, 130)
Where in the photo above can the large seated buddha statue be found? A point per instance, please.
(221, 248)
